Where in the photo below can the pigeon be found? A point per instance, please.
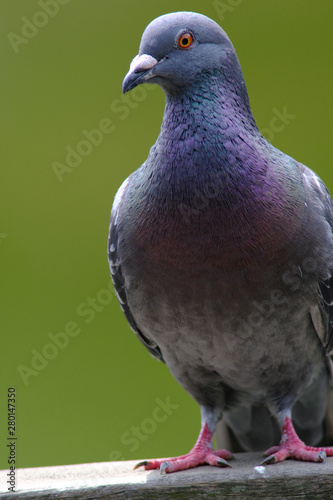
(221, 254)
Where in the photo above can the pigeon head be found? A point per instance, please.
(179, 48)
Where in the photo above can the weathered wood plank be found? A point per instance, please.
(288, 480)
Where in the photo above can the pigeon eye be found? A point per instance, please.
(185, 40)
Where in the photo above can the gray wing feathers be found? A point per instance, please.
(119, 285)
(325, 286)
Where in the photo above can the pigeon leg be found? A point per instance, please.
(292, 447)
(202, 453)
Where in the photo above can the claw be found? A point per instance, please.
(269, 460)
(140, 464)
(163, 467)
(322, 456)
(222, 463)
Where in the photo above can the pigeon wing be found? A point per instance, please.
(119, 284)
(325, 286)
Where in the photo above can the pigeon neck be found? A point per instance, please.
(217, 84)
(210, 108)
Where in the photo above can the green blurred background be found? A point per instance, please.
(99, 395)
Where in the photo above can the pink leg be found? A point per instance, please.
(202, 453)
(292, 447)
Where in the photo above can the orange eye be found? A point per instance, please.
(185, 40)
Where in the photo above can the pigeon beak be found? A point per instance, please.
(139, 72)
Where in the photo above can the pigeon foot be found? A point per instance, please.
(202, 453)
(292, 447)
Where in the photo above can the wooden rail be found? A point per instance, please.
(117, 480)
